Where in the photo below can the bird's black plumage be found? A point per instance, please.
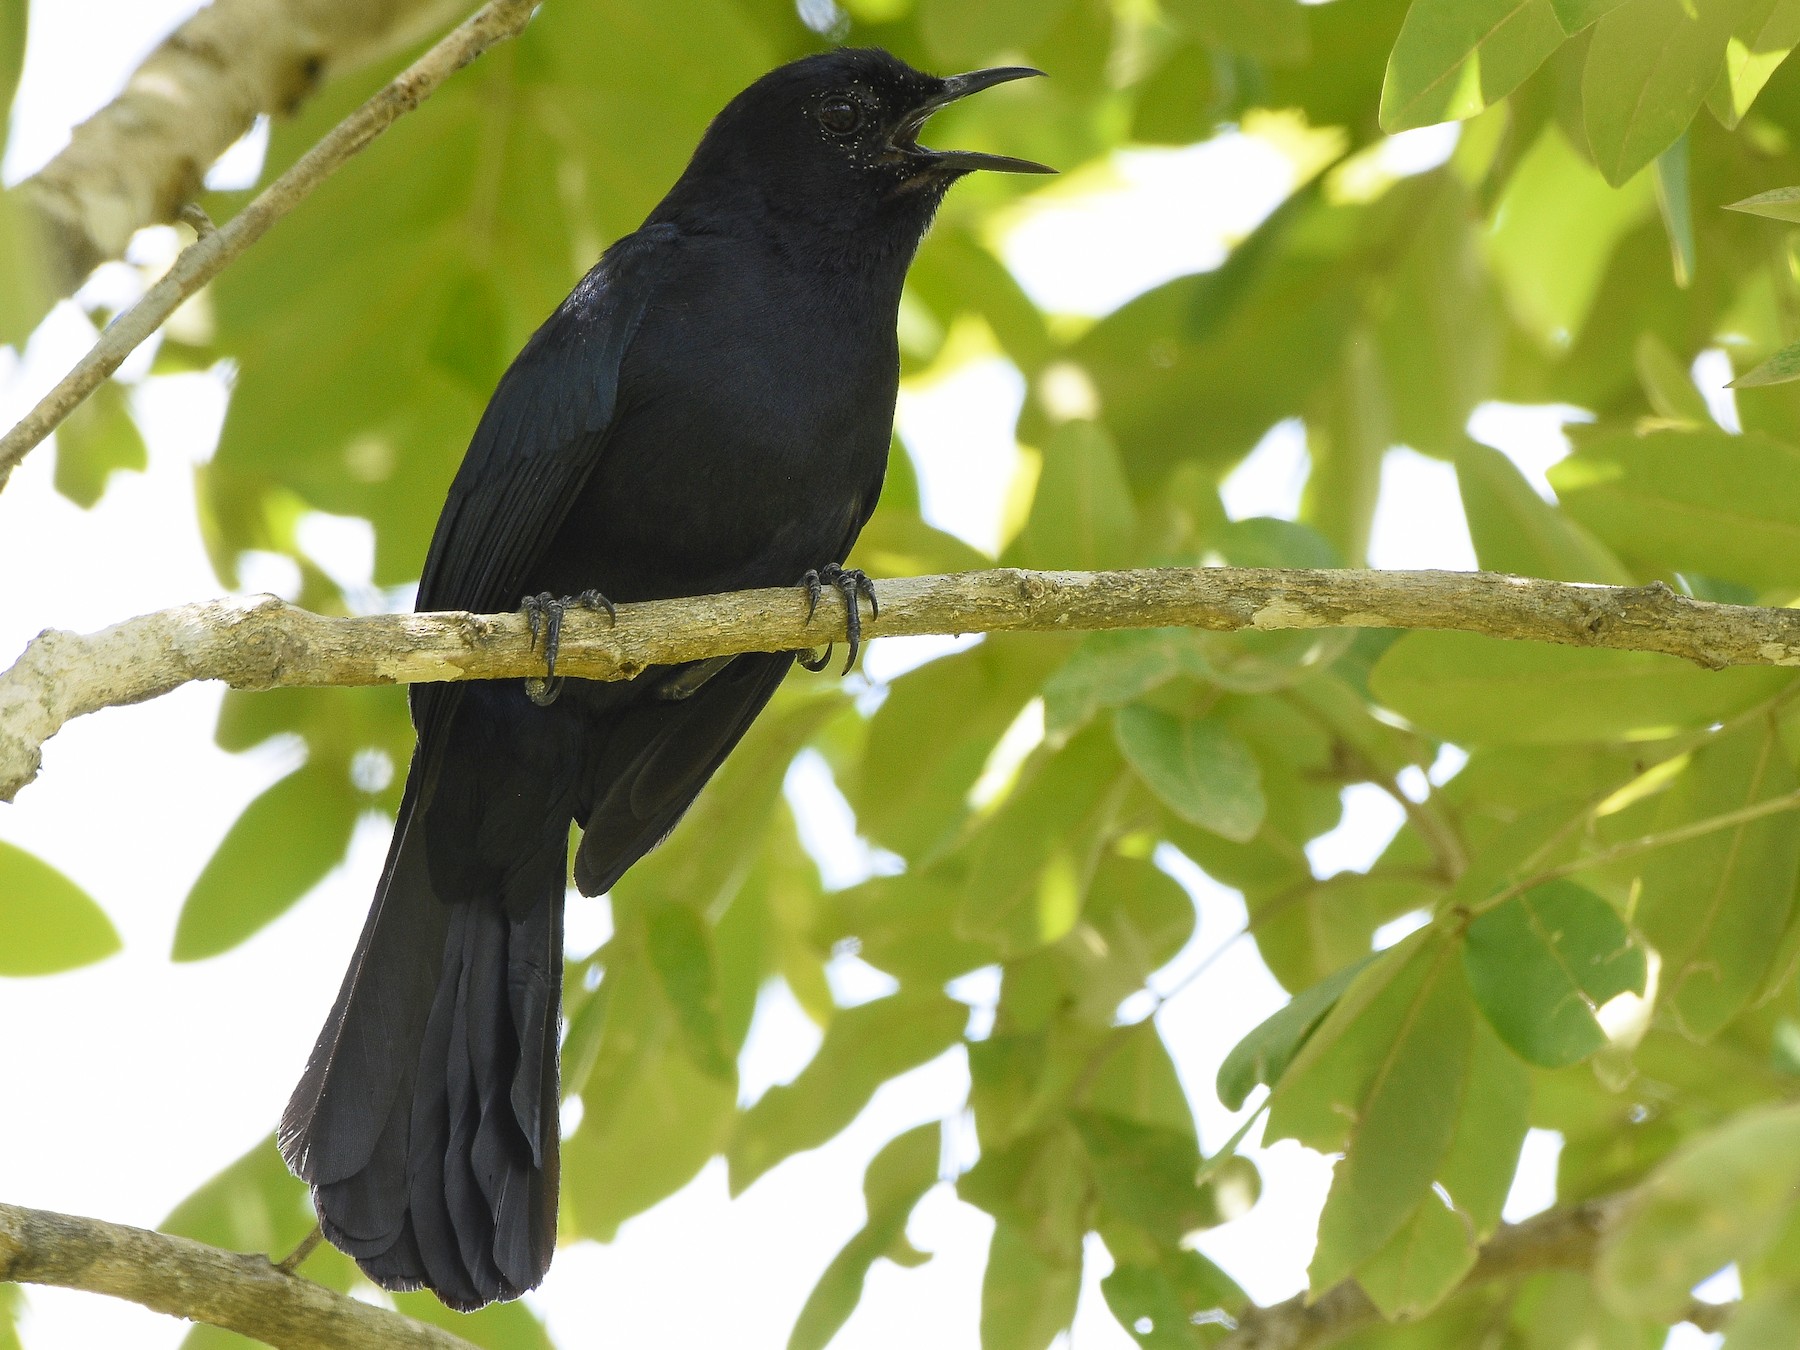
(710, 409)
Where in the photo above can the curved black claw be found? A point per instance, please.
(852, 584)
(544, 612)
(816, 663)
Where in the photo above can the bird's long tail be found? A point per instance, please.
(426, 1120)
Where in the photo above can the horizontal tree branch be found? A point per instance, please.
(1567, 1238)
(244, 1293)
(141, 157)
(261, 642)
(209, 255)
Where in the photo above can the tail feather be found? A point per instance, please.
(427, 1117)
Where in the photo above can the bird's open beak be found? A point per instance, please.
(906, 136)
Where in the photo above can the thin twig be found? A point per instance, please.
(297, 1258)
(260, 642)
(243, 1293)
(204, 259)
(1649, 843)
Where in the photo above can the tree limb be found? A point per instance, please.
(204, 259)
(136, 161)
(261, 642)
(1567, 1238)
(173, 1275)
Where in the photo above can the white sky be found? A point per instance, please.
(136, 1079)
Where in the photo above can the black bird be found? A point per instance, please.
(709, 410)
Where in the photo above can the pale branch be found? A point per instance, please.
(261, 642)
(141, 157)
(207, 256)
(1567, 1238)
(241, 1292)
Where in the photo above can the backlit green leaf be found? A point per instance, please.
(1455, 57)
(278, 850)
(898, 1176)
(1720, 1199)
(1699, 500)
(1648, 69)
(864, 1047)
(1720, 908)
(49, 923)
(1474, 690)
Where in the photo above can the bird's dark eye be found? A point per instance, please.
(840, 116)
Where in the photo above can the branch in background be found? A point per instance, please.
(242, 1293)
(201, 261)
(1558, 1239)
(136, 161)
(261, 642)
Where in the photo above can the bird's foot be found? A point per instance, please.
(853, 585)
(544, 613)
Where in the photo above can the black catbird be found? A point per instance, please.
(709, 410)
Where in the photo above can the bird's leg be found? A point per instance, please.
(544, 612)
(852, 585)
(687, 681)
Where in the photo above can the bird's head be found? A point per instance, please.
(833, 140)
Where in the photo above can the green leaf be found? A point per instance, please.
(1027, 1299)
(910, 789)
(1649, 67)
(1541, 963)
(1575, 15)
(1274, 30)
(1518, 532)
(1399, 1113)
(1549, 274)
(1109, 670)
(1197, 766)
(1668, 384)
(681, 949)
(1720, 908)
(1478, 1171)
(278, 850)
(50, 923)
(1698, 500)
(1475, 690)
(1082, 515)
(1455, 57)
(1161, 1304)
(864, 1047)
(1136, 919)
(1769, 31)
(1029, 864)
(1421, 1264)
(1674, 199)
(1776, 204)
(961, 35)
(898, 1176)
(1722, 1198)
(1264, 1055)
(254, 1205)
(652, 1117)
(94, 441)
(1780, 368)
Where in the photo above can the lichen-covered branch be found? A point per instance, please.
(207, 256)
(136, 161)
(244, 1293)
(261, 642)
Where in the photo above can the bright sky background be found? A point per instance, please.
(131, 1082)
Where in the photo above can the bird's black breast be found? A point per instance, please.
(755, 410)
